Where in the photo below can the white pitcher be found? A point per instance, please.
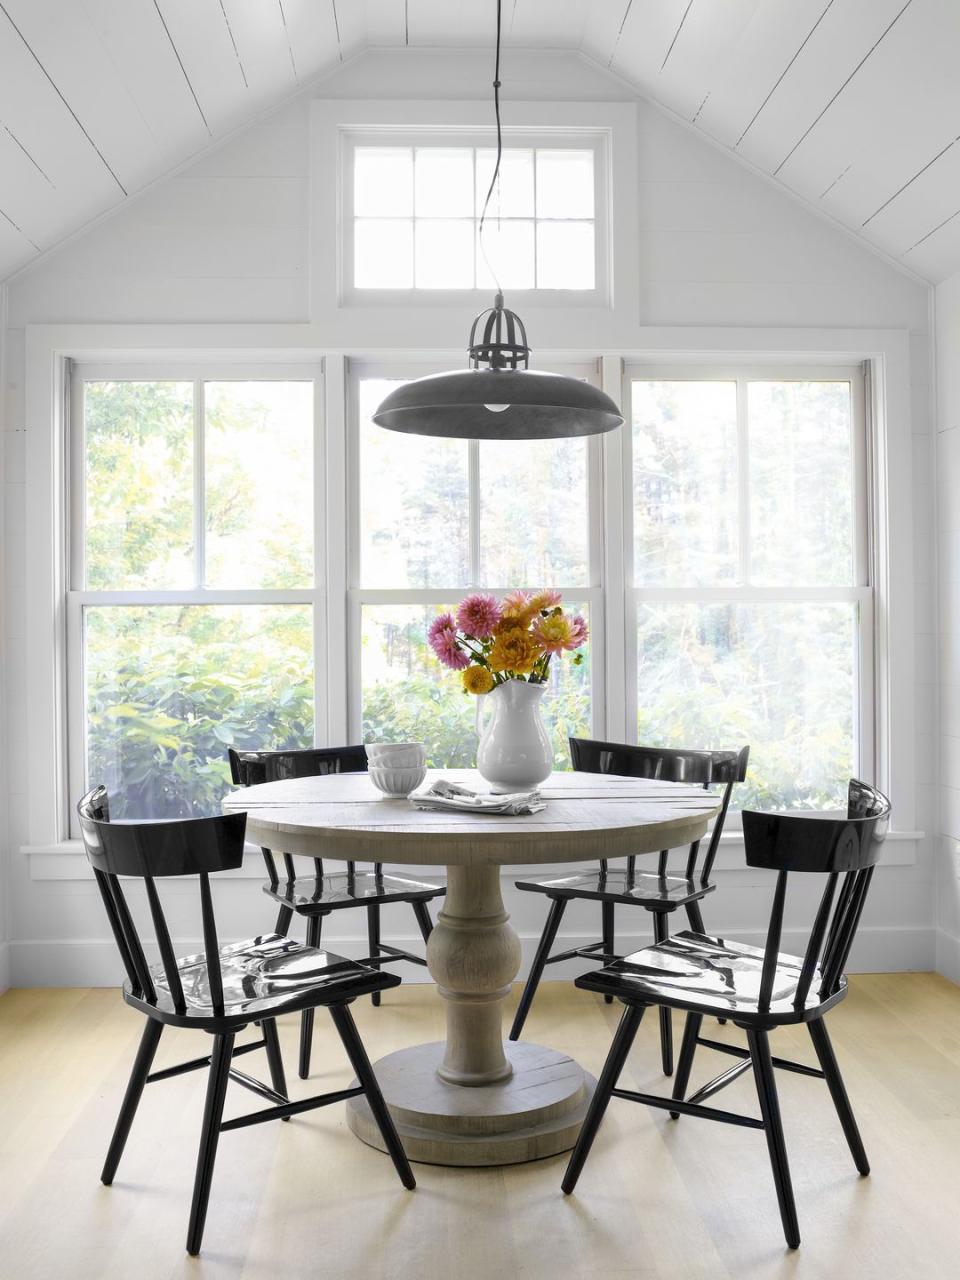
(515, 752)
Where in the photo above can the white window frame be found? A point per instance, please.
(49, 348)
(338, 126)
(590, 594)
(79, 596)
(859, 592)
(596, 142)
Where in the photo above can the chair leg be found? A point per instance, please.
(373, 941)
(695, 917)
(314, 927)
(278, 1077)
(131, 1099)
(422, 912)
(828, 1064)
(209, 1137)
(609, 936)
(547, 938)
(343, 1021)
(622, 1041)
(688, 1047)
(661, 931)
(284, 918)
(770, 1111)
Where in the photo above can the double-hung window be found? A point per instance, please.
(433, 519)
(749, 604)
(193, 613)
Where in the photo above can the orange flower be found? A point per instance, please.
(514, 649)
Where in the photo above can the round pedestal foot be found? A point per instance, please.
(536, 1112)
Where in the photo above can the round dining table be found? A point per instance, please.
(473, 1099)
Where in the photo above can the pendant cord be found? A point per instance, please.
(496, 168)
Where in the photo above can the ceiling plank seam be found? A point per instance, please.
(56, 89)
(783, 73)
(676, 34)
(19, 230)
(233, 41)
(39, 168)
(176, 52)
(814, 124)
(336, 27)
(623, 23)
(939, 156)
(286, 32)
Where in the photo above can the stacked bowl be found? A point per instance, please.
(396, 768)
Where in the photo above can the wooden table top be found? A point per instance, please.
(588, 816)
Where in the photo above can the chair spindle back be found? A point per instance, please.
(144, 851)
(668, 764)
(843, 849)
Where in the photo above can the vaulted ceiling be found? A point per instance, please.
(852, 105)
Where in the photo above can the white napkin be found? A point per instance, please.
(449, 795)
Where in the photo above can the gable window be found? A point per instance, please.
(412, 216)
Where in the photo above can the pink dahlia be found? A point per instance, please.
(579, 632)
(478, 615)
(442, 636)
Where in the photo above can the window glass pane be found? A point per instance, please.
(383, 182)
(444, 182)
(565, 255)
(685, 483)
(413, 503)
(801, 483)
(533, 513)
(169, 688)
(383, 253)
(258, 468)
(564, 184)
(780, 677)
(138, 485)
(508, 246)
(444, 253)
(512, 197)
(409, 696)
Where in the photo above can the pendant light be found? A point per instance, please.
(499, 397)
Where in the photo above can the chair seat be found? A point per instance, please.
(712, 976)
(263, 977)
(642, 888)
(315, 895)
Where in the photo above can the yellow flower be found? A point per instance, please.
(553, 633)
(477, 679)
(514, 649)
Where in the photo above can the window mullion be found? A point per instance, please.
(743, 482)
(473, 499)
(199, 486)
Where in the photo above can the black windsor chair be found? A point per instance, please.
(222, 990)
(661, 894)
(316, 896)
(758, 989)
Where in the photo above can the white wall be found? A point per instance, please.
(227, 240)
(948, 549)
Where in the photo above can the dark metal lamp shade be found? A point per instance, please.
(469, 404)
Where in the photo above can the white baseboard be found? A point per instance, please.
(947, 955)
(93, 962)
(4, 966)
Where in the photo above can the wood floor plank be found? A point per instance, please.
(658, 1200)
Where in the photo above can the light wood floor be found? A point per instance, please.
(657, 1199)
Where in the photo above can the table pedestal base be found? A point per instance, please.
(536, 1112)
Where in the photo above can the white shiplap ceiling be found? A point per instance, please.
(852, 105)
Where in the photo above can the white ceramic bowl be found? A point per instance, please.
(402, 758)
(393, 781)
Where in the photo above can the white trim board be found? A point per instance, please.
(89, 962)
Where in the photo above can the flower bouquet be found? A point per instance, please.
(491, 641)
(503, 648)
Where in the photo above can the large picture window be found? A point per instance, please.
(201, 610)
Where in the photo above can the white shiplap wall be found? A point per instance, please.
(226, 240)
